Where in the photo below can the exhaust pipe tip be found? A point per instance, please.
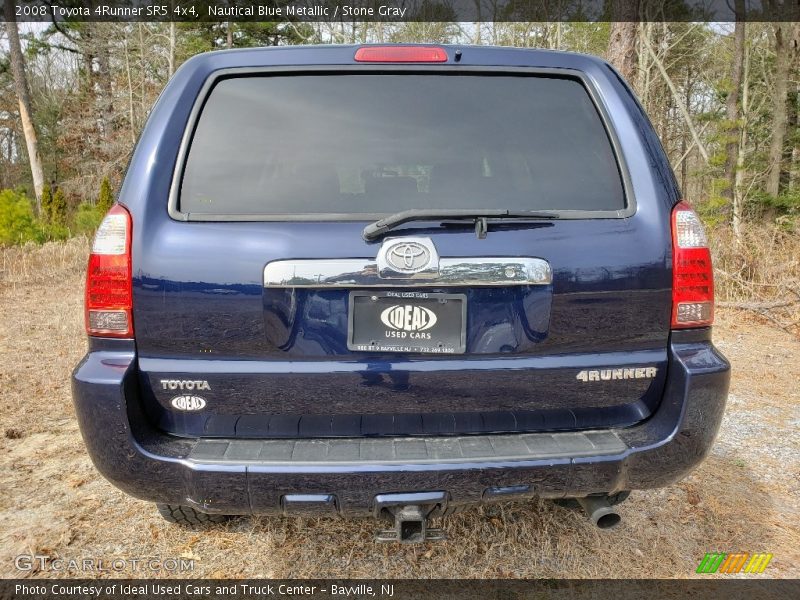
(608, 520)
(600, 512)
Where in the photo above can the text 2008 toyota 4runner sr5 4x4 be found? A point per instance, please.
(394, 281)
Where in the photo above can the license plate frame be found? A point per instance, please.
(406, 330)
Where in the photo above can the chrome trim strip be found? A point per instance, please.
(363, 272)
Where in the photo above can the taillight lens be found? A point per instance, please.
(109, 289)
(692, 276)
(401, 54)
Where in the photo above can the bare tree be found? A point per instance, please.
(792, 150)
(680, 105)
(171, 52)
(732, 107)
(779, 112)
(102, 40)
(739, 188)
(24, 98)
(131, 113)
(622, 42)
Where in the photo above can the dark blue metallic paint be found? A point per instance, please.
(151, 465)
(198, 285)
(278, 364)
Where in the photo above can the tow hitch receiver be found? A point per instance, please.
(410, 527)
(410, 520)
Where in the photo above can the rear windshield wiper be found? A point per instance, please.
(381, 226)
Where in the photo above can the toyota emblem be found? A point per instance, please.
(408, 257)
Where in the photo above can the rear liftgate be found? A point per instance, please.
(380, 321)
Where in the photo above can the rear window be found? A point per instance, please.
(370, 144)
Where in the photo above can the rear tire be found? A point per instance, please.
(186, 516)
(613, 500)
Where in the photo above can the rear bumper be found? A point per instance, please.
(345, 476)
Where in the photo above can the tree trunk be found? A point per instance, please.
(131, 113)
(738, 190)
(86, 49)
(106, 86)
(643, 58)
(622, 42)
(171, 55)
(677, 98)
(732, 113)
(789, 150)
(142, 71)
(684, 141)
(24, 99)
(779, 101)
(792, 157)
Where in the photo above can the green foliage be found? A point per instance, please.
(17, 221)
(19, 225)
(784, 208)
(194, 38)
(787, 202)
(52, 232)
(58, 213)
(718, 159)
(716, 209)
(87, 219)
(106, 198)
(47, 203)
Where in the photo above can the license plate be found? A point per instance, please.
(407, 322)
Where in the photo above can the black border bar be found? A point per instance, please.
(403, 11)
(714, 586)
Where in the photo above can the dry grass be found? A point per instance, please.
(53, 502)
(33, 263)
(762, 268)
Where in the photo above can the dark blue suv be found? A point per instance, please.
(394, 281)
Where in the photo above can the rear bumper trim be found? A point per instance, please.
(404, 451)
(344, 476)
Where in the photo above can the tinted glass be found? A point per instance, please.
(383, 143)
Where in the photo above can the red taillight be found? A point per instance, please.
(401, 54)
(692, 276)
(109, 289)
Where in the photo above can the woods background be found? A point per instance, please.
(724, 99)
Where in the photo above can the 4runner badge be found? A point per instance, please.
(612, 374)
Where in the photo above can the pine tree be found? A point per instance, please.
(58, 214)
(47, 204)
(106, 198)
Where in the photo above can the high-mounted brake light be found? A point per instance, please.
(401, 54)
(692, 276)
(109, 288)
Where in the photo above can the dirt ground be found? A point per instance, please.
(745, 497)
